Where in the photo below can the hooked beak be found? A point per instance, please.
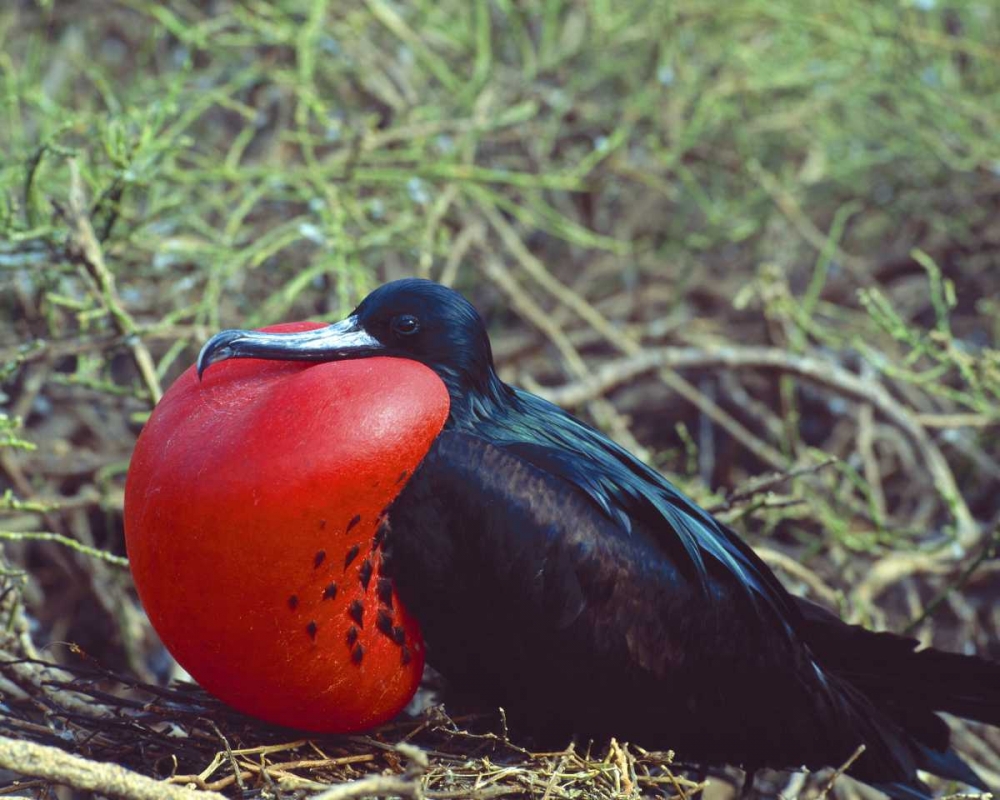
(345, 339)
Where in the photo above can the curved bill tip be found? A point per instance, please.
(342, 340)
(216, 349)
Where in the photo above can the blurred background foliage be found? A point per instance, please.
(795, 204)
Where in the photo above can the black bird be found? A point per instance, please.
(556, 575)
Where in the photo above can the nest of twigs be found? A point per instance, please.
(92, 729)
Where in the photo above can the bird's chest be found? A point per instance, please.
(512, 576)
(433, 555)
(469, 560)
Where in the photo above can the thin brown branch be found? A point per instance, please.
(373, 786)
(85, 248)
(65, 769)
(765, 484)
(840, 771)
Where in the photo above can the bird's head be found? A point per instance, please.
(409, 318)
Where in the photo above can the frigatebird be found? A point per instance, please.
(561, 578)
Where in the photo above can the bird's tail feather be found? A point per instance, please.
(894, 747)
(893, 673)
(949, 765)
(966, 686)
(907, 687)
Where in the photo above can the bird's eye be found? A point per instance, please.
(405, 325)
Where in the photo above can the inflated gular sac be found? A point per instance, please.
(253, 507)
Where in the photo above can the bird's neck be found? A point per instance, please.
(474, 399)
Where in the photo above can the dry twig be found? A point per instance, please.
(65, 769)
(85, 247)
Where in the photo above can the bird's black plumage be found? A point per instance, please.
(560, 577)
